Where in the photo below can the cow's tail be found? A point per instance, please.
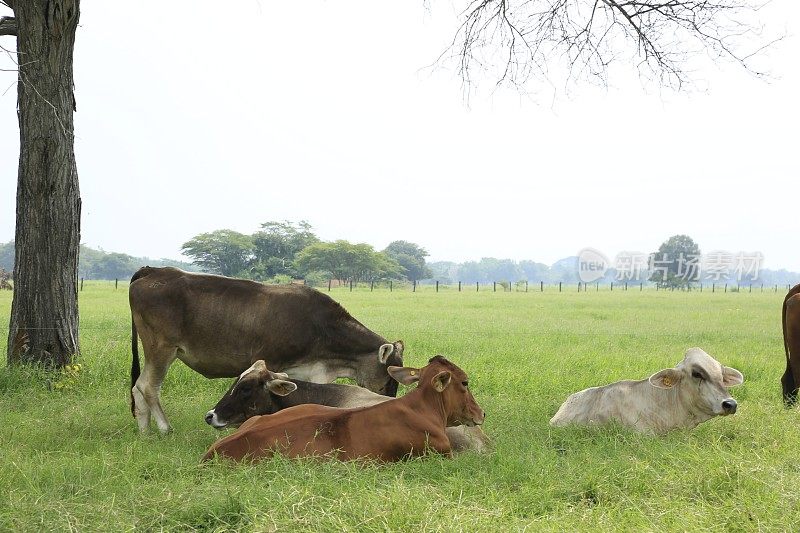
(135, 370)
(789, 385)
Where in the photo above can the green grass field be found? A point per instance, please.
(71, 458)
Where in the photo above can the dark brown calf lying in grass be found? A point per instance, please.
(389, 431)
(258, 391)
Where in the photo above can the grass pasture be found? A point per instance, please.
(72, 459)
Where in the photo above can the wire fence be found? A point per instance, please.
(504, 286)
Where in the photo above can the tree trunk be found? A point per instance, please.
(44, 312)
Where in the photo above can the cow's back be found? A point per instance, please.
(221, 325)
(598, 405)
(304, 430)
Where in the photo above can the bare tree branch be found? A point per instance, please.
(8, 26)
(519, 41)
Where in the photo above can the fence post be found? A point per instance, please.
(371, 285)
(81, 283)
(459, 286)
(351, 284)
(414, 286)
(477, 286)
(579, 286)
(641, 287)
(701, 287)
(329, 285)
(713, 287)
(559, 286)
(390, 285)
(751, 288)
(597, 286)
(526, 285)
(626, 285)
(116, 283)
(726, 287)
(612, 286)
(541, 286)
(494, 288)
(437, 285)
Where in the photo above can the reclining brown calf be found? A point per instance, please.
(389, 431)
(258, 391)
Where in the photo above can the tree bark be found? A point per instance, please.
(44, 312)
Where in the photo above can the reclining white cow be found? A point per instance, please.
(694, 391)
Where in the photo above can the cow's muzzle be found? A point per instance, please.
(729, 406)
(476, 419)
(212, 420)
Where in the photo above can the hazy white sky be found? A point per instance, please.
(197, 115)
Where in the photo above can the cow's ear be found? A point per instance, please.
(404, 374)
(384, 352)
(281, 387)
(441, 380)
(278, 375)
(666, 379)
(398, 348)
(731, 377)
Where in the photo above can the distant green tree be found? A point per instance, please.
(676, 263)
(444, 271)
(7, 256)
(87, 259)
(471, 272)
(488, 270)
(533, 271)
(224, 251)
(277, 244)
(500, 269)
(343, 260)
(113, 266)
(411, 257)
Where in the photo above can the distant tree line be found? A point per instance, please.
(677, 263)
(490, 269)
(99, 264)
(281, 251)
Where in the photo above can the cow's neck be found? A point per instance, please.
(429, 402)
(681, 413)
(348, 338)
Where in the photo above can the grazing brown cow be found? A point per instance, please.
(791, 344)
(220, 326)
(388, 431)
(258, 391)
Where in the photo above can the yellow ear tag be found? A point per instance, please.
(413, 372)
(667, 382)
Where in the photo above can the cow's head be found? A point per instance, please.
(374, 377)
(445, 378)
(702, 383)
(250, 395)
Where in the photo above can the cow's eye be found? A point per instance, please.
(697, 375)
(465, 383)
